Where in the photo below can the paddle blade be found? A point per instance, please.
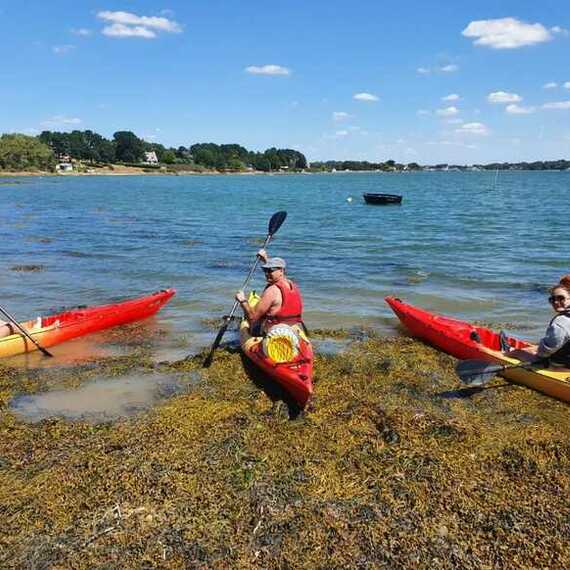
(208, 360)
(276, 222)
(477, 372)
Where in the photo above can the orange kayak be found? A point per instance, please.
(55, 329)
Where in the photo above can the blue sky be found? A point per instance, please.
(439, 81)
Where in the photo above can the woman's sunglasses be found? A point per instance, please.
(270, 270)
(557, 299)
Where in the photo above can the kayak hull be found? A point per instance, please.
(466, 341)
(56, 329)
(295, 377)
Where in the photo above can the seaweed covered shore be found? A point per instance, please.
(393, 466)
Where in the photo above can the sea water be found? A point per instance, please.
(460, 243)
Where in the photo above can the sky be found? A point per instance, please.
(444, 81)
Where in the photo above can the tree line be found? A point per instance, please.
(363, 165)
(22, 152)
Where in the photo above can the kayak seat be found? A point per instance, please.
(474, 336)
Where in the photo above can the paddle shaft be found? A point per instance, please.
(228, 318)
(14, 322)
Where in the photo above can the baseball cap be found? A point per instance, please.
(274, 263)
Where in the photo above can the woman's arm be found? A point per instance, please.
(556, 337)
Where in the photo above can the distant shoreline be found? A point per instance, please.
(138, 171)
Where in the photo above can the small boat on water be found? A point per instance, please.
(55, 329)
(381, 199)
(466, 341)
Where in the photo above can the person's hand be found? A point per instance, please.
(262, 254)
(240, 297)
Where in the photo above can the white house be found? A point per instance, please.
(64, 167)
(150, 157)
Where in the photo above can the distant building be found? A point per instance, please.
(150, 157)
(64, 167)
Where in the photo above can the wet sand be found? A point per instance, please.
(395, 466)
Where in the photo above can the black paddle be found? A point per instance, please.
(274, 224)
(15, 323)
(479, 372)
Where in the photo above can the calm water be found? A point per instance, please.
(458, 244)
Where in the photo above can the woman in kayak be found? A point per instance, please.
(555, 344)
(281, 301)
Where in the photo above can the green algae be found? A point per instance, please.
(393, 466)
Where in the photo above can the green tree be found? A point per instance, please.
(128, 147)
(21, 152)
(168, 157)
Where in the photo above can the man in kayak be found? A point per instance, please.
(281, 301)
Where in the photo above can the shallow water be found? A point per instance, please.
(459, 244)
(102, 400)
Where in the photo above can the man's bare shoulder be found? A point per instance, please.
(271, 291)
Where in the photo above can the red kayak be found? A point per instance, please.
(295, 375)
(55, 329)
(466, 341)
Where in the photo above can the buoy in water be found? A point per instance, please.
(349, 199)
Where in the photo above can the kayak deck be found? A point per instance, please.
(296, 377)
(55, 329)
(466, 341)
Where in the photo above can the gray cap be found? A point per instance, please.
(274, 263)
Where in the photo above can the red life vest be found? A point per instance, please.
(291, 310)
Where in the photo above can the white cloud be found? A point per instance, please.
(341, 133)
(559, 105)
(128, 25)
(81, 32)
(422, 112)
(122, 31)
(447, 112)
(559, 30)
(451, 97)
(567, 85)
(62, 50)
(506, 33)
(60, 121)
(455, 121)
(339, 116)
(550, 85)
(365, 97)
(450, 68)
(473, 129)
(270, 69)
(515, 109)
(503, 97)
